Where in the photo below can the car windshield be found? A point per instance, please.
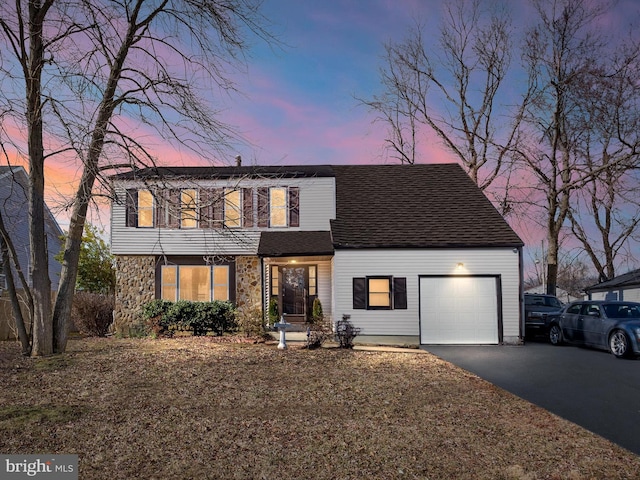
(543, 301)
(623, 310)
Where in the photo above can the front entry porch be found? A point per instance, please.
(295, 288)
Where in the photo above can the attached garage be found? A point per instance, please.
(459, 309)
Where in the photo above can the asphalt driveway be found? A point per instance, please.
(588, 387)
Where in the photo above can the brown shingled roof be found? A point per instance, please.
(284, 244)
(414, 206)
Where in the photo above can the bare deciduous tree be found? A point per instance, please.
(93, 79)
(564, 60)
(605, 212)
(453, 89)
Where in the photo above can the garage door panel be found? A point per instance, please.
(458, 310)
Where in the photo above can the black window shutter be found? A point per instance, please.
(294, 207)
(360, 293)
(174, 208)
(263, 207)
(247, 207)
(131, 204)
(400, 293)
(161, 207)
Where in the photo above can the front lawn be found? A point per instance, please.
(189, 408)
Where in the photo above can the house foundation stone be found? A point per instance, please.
(135, 286)
(248, 282)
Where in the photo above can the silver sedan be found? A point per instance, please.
(607, 325)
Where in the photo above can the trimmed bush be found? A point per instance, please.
(92, 313)
(318, 333)
(199, 317)
(274, 314)
(346, 332)
(155, 320)
(317, 316)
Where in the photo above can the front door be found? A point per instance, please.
(294, 293)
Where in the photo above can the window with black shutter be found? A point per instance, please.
(377, 293)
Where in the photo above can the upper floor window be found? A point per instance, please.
(232, 209)
(145, 208)
(278, 207)
(275, 207)
(188, 208)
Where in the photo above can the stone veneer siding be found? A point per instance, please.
(135, 286)
(248, 282)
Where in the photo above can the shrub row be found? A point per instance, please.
(164, 317)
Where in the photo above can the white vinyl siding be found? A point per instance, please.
(412, 264)
(317, 208)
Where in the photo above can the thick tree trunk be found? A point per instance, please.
(40, 282)
(71, 258)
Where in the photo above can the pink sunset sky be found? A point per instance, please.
(298, 102)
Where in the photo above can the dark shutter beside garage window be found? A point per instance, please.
(400, 293)
(359, 293)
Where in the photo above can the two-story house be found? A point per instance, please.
(14, 206)
(412, 251)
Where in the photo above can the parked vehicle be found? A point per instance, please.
(537, 309)
(608, 325)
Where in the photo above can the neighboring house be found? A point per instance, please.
(623, 287)
(412, 251)
(14, 208)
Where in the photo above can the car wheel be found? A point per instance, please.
(619, 344)
(555, 334)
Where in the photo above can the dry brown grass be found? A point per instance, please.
(189, 408)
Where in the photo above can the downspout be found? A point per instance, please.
(521, 294)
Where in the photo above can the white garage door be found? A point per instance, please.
(458, 310)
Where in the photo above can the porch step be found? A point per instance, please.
(293, 327)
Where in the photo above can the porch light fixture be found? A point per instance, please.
(459, 265)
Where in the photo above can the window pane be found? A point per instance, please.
(145, 208)
(221, 283)
(379, 292)
(169, 283)
(195, 283)
(188, 208)
(278, 207)
(378, 299)
(232, 208)
(312, 280)
(169, 293)
(275, 280)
